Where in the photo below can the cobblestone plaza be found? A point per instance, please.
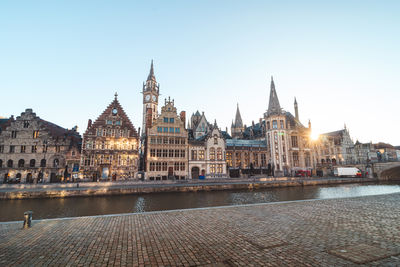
(334, 232)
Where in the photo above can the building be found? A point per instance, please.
(110, 148)
(207, 156)
(237, 127)
(34, 150)
(166, 147)
(198, 125)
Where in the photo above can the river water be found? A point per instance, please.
(12, 210)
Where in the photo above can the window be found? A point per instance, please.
(56, 162)
(182, 166)
(165, 140)
(194, 154)
(159, 129)
(183, 141)
(212, 168)
(215, 141)
(255, 159)
(118, 123)
(158, 152)
(12, 149)
(21, 163)
(201, 154)
(171, 141)
(164, 166)
(268, 125)
(295, 159)
(229, 158)
(274, 124)
(10, 163)
(165, 119)
(238, 160)
(43, 163)
(282, 124)
(152, 152)
(58, 149)
(35, 134)
(1, 148)
(165, 129)
(177, 154)
(23, 148)
(1, 163)
(165, 153)
(212, 153)
(34, 149)
(32, 163)
(13, 134)
(176, 166)
(171, 130)
(109, 122)
(219, 168)
(219, 154)
(177, 130)
(26, 124)
(294, 141)
(246, 160)
(171, 120)
(263, 160)
(308, 160)
(171, 153)
(183, 153)
(152, 166)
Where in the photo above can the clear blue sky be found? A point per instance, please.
(341, 59)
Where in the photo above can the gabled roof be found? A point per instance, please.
(101, 120)
(335, 133)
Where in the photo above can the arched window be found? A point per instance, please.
(10, 163)
(32, 163)
(56, 162)
(21, 163)
(43, 163)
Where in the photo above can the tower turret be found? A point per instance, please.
(151, 91)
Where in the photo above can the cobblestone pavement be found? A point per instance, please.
(334, 232)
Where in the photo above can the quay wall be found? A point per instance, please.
(102, 190)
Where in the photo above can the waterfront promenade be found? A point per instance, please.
(333, 232)
(23, 191)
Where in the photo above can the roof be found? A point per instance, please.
(254, 131)
(5, 122)
(335, 133)
(248, 143)
(238, 119)
(101, 120)
(273, 107)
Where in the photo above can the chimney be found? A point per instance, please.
(89, 124)
(149, 120)
(183, 117)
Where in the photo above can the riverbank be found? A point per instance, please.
(137, 187)
(333, 232)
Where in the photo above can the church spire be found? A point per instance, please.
(238, 118)
(273, 107)
(296, 109)
(151, 76)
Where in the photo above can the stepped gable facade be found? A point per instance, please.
(167, 145)
(110, 148)
(33, 150)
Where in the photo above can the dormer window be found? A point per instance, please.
(26, 124)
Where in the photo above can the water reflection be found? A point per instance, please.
(12, 210)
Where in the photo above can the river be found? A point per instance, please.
(12, 210)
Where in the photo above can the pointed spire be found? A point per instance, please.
(151, 74)
(296, 109)
(295, 101)
(238, 118)
(273, 107)
(116, 95)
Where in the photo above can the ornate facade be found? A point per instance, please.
(167, 145)
(110, 148)
(34, 150)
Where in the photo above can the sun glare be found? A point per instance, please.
(314, 136)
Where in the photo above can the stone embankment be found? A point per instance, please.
(137, 187)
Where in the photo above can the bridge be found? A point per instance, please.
(387, 170)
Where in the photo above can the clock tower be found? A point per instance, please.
(150, 93)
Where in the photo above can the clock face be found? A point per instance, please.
(154, 98)
(147, 97)
(114, 111)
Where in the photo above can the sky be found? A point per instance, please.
(340, 59)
